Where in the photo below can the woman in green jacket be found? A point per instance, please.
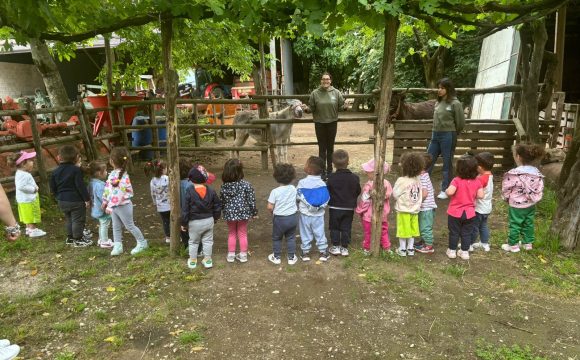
(325, 103)
(448, 122)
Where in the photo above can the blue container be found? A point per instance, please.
(162, 136)
(143, 137)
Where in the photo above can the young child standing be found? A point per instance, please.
(483, 206)
(282, 204)
(117, 202)
(239, 206)
(463, 191)
(408, 193)
(67, 184)
(365, 208)
(185, 165)
(344, 188)
(27, 192)
(427, 211)
(522, 188)
(98, 171)
(202, 209)
(160, 193)
(313, 197)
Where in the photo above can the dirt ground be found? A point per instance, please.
(379, 307)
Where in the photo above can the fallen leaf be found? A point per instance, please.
(63, 300)
(318, 262)
(110, 289)
(45, 314)
(34, 272)
(58, 256)
(92, 258)
(175, 333)
(111, 339)
(275, 292)
(197, 348)
(544, 261)
(23, 262)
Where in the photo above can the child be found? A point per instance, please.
(282, 204)
(522, 188)
(98, 171)
(184, 166)
(427, 211)
(313, 196)
(239, 205)
(365, 208)
(344, 188)
(160, 193)
(483, 206)
(27, 192)
(202, 209)
(67, 184)
(463, 191)
(408, 193)
(117, 202)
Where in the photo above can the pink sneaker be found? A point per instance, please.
(106, 244)
(509, 248)
(528, 247)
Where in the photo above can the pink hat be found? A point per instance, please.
(25, 156)
(369, 166)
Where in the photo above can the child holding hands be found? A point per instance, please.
(463, 191)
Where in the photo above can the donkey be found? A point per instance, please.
(400, 110)
(279, 133)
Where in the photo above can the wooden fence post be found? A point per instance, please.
(88, 143)
(44, 189)
(196, 138)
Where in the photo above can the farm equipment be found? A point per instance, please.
(103, 120)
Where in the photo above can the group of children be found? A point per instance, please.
(109, 195)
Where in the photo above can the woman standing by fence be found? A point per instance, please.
(448, 122)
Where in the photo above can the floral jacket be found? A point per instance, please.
(117, 191)
(523, 186)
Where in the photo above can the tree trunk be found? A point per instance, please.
(170, 79)
(386, 80)
(433, 65)
(545, 98)
(50, 75)
(533, 35)
(566, 221)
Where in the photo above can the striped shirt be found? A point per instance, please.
(429, 202)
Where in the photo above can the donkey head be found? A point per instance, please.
(297, 108)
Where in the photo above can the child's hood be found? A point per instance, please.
(529, 176)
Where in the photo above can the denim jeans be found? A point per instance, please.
(443, 143)
(481, 229)
(284, 227)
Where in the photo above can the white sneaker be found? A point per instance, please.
(442, 195)
(9, 352)
(36, 232)
(274, 260)
(168, 240)
(402, 252)
(464, 255)
(452, 254)
(231, 257)
(140, 247)
(344, 251)
(507, 247)
(4, 343)
(485, 247)
(334, 250)
(292, 260)
(411, 252)
(117, 249)
(87, 233)
(242, 257)
(106, 244)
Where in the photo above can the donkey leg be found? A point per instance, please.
(241, 138)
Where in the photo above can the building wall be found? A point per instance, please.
(19, 79)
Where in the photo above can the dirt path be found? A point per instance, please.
(151, 306)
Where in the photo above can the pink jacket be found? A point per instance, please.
(523, 186)
(365, 205)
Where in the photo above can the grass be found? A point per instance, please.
(422, 278)
(66, 355)
(191, 337)
(66, 327)
(486, 351)
(456, 270)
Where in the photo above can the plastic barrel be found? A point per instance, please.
(162, 136)
(143, 137)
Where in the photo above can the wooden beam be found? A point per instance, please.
(559, 42)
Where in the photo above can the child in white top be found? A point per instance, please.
(160, 193)
(483, 206)
(282, 204)
(117, 202)
(409, 194)
(27, 192)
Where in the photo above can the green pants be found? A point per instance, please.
(521, 224)
(426, 218)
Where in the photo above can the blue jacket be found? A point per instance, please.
(96, 189)
(312, 195)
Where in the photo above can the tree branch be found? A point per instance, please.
(520, 9)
